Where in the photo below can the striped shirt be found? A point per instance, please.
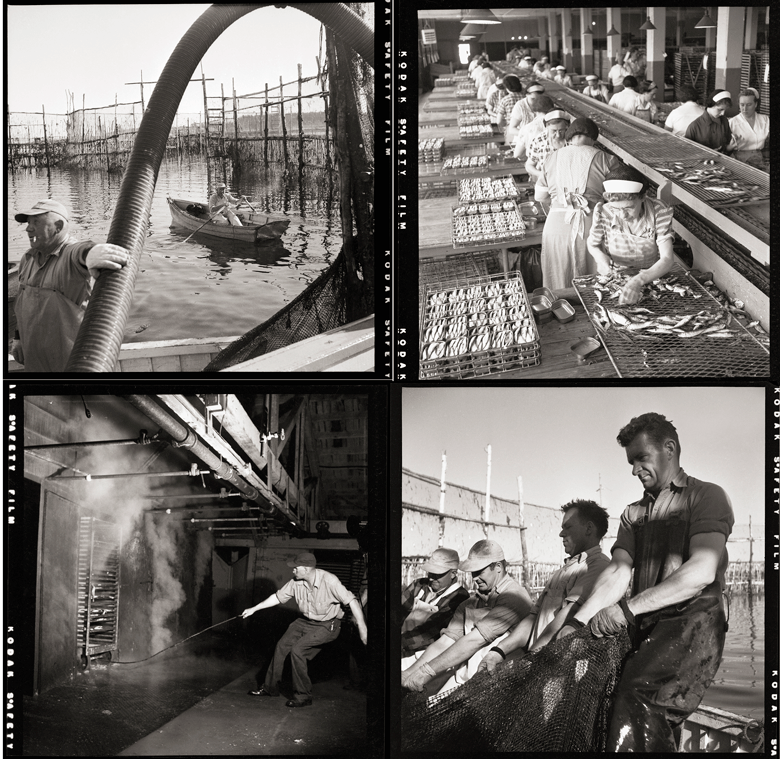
(608, 232)
(507, 103)
(493, 98)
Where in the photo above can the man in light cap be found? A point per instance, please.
(220, 202)
(499, 604)
(55, 284)
(319, 595)
(429, 603)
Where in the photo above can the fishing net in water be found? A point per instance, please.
(320, 307)
(557, 699)
(344, 292)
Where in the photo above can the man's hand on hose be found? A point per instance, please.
(609, 621)
(422, 675)
(105, 256)
(248, 612)
(363, 632)
(489, 661)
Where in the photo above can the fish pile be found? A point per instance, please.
(478, 224)
(485, 188)
(466, 90)
(472, 132)
(722, 319)
(476, 107)
(470, 119)
(466, 162)
(477, 318)
(430, 150)
(710, 176)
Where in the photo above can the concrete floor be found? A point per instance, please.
(230, 722)
(196, 704)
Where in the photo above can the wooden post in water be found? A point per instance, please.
(521, 504)
(83, 120)
(45, 139)
(265, 129)
(443, 485)
(486, 512)
(235, 124)
(750, 560)
(327, 134)
(281, 119)
(10, 144)
(300, 119)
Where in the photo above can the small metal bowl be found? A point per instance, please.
(541, 308)
(562, 310)
(583, 349)
(546, 293)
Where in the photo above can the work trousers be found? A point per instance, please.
(302, 641)
(664, 680)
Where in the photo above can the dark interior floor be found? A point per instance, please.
(193, 702)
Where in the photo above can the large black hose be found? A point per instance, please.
(100, 336)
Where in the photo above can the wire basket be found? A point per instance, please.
(476, 327)
(646, 355)
(482, 224)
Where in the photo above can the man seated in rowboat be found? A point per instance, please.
(220, 202)
(583, 525)
(55, 285)
(674, 540)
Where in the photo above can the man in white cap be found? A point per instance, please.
(526, 64)
(220, 203)
(319, 595)
(429, 603)
(499, 604)
(55, 285)
(593, 89)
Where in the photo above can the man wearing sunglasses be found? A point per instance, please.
(482, 621)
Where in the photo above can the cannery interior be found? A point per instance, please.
(593, 192)
(169, 545)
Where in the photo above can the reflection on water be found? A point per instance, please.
(205, 287)
(739, 685)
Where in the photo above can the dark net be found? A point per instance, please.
(557, 699)
(320, 307)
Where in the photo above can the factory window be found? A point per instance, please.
(463, 52)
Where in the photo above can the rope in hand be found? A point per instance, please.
(177, 644)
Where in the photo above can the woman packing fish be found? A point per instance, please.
(630, 229)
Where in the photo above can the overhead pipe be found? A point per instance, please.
(99, 338)
(143, 439)
(188, 473)
(184, 437)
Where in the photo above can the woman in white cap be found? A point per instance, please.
(541, 106)
(712, 128)
(749, 129)
(555, 125)
(630, 229)
(595, 90)
(523, 111)
(562, 77)
(572, 179)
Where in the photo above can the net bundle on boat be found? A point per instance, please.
(344, 292)
(556, 699)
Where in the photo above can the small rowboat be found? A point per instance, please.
(257, 226)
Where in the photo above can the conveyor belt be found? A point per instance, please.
(655, 148)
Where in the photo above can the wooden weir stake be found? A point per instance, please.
(281, 118)
(520, 502)
(45, 140)
(300, 119)
(265, 129)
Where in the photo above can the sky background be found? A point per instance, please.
(94, 49)
(560, 439)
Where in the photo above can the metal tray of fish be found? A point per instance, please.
(678, 329)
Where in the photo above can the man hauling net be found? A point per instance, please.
(648, 660)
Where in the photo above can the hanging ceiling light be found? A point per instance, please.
(706, 22)
(612, 32)
(485, 16)
(470, 31)
(647, 25)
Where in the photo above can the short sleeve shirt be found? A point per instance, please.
(705, 507)
(321, 601)
(538, 150)
(746, 137)
(679, 118)
(607, 233)
(572, 583)
(504, 607)
(507, 103)
(712, 133)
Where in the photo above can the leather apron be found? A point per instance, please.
(677, 649)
